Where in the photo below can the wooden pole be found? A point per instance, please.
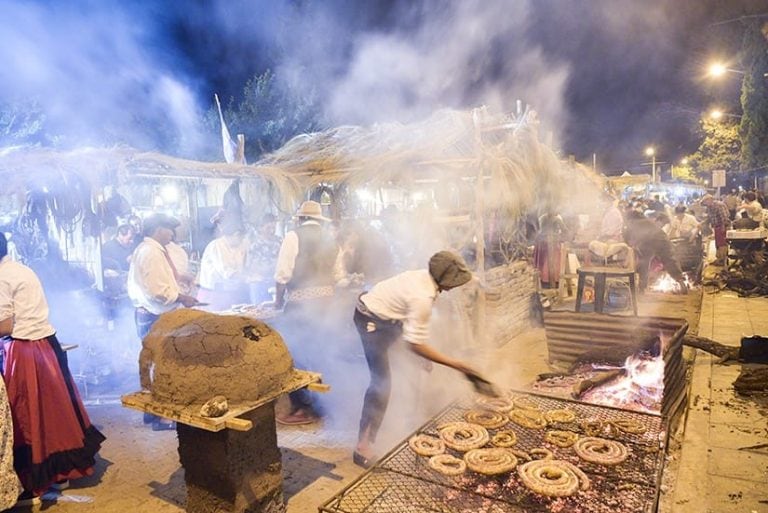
(480, 226)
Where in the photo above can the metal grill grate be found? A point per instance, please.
(403, 482)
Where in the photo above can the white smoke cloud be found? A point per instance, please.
(447, 54)
(94, 72)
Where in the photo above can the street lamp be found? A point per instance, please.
(684, 162)
(717, 115)
(718, 69)
(650, 151)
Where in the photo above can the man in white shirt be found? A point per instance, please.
(401, 307)
(752, 207)
(180, 261)
(54, 439)
(683, 225)
(153, 284)
(222, 267)
(307, 259)
(152, 278)
(304, 278)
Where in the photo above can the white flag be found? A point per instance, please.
(229, 146)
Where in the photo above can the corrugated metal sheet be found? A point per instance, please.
(571, 336)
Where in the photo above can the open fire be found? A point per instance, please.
(639, 388)
(667, 284)
(630, 363)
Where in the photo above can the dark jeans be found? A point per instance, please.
(144, 321)
(377, 337)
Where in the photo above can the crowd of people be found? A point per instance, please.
(313, 277)
(49, 438)
(650, 226)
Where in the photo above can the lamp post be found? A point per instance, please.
(718, 69)
(717, 115)
(650, 151)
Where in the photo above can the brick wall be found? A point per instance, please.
(508, 301)
(507, 310)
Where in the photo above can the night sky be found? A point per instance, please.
(607, 77)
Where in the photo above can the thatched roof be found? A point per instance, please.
(525, 173)
(114, 166)
(451, 144)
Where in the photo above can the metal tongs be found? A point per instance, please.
(482, 385)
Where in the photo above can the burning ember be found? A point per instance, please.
(640, 388)
(666, 283)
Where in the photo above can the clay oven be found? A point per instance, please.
(190, 356)
(231, 460)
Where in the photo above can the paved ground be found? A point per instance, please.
(723, 464)
(138, 469)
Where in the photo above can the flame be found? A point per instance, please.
(640, 389)
(666, 283)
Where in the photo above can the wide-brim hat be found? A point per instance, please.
(311, 209)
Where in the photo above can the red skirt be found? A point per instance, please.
(546, 258)
(53, 438)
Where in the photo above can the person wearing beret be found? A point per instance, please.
(401, 307)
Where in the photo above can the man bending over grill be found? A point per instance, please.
(648, 241)
(397, 307)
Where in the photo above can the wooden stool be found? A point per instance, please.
(600, 275)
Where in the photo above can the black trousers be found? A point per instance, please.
(377, 337)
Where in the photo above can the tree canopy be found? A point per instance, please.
(268, 113)
(754, 98)
(719, 149)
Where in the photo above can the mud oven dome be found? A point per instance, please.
(193, 362)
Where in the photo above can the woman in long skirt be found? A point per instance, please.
(53, 439)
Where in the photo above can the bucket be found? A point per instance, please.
(754, 349)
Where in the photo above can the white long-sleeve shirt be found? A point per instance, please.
(221, 262)
(407, 297)
(179, 257)
(151, 280)
(22, 297)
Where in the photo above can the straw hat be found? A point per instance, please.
(311, 209)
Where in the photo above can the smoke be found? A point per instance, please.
(96, 73)
(437, 55)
